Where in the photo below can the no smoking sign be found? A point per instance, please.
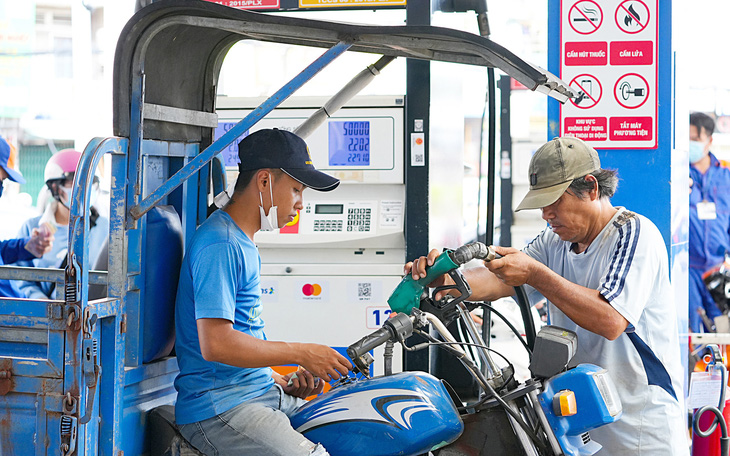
(585, 17)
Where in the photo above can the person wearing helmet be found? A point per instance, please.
(59, 176)
(27, 247)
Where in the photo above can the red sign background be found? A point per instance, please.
(632, 53)
(586, 53)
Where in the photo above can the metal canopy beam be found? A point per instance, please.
(182, 57)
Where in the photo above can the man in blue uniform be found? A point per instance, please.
(709, 219)
(13, 250)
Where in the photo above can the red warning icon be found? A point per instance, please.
(631, 90)
(632, 16)
(590, 89)
(585, 17)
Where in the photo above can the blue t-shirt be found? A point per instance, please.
(219, 278)
(11, 251)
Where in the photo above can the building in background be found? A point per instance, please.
(56, 59)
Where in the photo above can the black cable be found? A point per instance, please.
(489, 235)
(444, 344)
(481, 156)
(524, 304)
(514, 330)
(516, 416)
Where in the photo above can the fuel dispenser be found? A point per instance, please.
(339, 259)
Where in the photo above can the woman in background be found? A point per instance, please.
(59, 176)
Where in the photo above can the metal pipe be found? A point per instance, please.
(535, 404)
(32, 274)
(439, 326)
(352, 88)
(471, 328)
(231, 135)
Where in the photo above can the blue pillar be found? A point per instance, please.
(606, 45)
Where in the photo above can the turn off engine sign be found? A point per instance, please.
(609, 53)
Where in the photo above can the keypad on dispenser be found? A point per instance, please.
(358, 219)
(327, 225)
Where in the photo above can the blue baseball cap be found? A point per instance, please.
(13, 175)
(274, 148)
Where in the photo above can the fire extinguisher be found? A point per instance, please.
(705, 442)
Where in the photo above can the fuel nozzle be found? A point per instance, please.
(475, 250)
(407, 294)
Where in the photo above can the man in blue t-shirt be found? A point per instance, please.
(229, 400)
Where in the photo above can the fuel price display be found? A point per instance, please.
(349, 143)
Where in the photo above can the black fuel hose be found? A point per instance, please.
(471, 251)
(526, 311)
(479, 250)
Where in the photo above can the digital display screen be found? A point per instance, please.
(328, 208)
(230, 153)
(349, 143)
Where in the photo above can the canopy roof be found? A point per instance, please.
(179, 46)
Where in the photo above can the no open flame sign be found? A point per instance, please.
(608, 53)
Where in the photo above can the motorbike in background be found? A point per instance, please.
(412, 413)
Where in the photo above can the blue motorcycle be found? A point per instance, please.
(413, 413)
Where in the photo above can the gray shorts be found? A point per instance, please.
(256, 427)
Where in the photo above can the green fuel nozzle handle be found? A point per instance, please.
(407, 294)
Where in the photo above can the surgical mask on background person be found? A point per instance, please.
(696, 151)
(269, 222)
(67, 192)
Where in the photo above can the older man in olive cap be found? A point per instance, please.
(604, 272)
(13, 250)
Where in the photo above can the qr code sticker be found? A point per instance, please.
(364, 290)
(418, 158)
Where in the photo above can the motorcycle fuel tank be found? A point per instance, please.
(403, 414)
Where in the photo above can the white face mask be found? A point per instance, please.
(269, 222)
(696, 151)
(67, 192)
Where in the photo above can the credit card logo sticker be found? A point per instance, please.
(312, 289)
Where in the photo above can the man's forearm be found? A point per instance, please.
(485, 286)
(242, 350)
(586, 307)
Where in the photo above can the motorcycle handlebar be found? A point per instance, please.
(398, 327)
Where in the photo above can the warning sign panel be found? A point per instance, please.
(610, 47)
